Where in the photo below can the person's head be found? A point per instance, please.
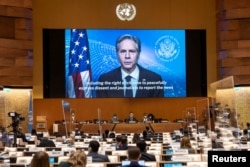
(40, 159)
(248, 125)
(136, 137)
(134, 153)
(118, 139)
(33, 132)
(78, 157)
(245, 132)
(131, 114)
(94, 146)
(124, 140)
(144, 133)
(142, 145)
(128, 49)
(185, 142)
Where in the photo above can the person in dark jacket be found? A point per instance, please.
(46, 142)
(93, 152)
(141, 144)
(134, 156)
(123, 145)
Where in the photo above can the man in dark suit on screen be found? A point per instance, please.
(130, 79)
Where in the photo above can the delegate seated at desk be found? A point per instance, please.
(114, 119)
(131, 118)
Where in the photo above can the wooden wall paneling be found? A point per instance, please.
(7, 27)
(234, 39)
(23, 61)
(241, 70)
(242, 79)
(17, 44)
(18, 12)
(19, 3)
(230, 35)
(234, 62)
(23, 34)
(235, 53)
(7, 61)
(238, 13)
(12, 52)
(232, 4)
(228, 25)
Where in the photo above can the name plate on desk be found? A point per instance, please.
(112, 148)
(87, 140)
(181, 158)
(180, 151)
(132, 122)
(62, 145)
(55, 153)
(85, 145)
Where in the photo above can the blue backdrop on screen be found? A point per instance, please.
(162, 51)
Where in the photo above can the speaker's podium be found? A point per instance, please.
(41, 123)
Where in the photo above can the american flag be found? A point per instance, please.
(78, 85)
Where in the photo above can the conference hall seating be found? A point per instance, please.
(164, 146)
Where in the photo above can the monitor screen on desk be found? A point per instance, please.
(127, 162)
(171, 164)
(52, 160)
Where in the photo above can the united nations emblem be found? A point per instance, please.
(167, 48)
(125, 11)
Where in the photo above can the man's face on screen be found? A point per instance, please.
(128, 55)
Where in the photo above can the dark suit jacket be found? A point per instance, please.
(46, 143)
(147, 80)
(96, 157)
(130, 119)
(147, 157)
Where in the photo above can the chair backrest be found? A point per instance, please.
(95, 164)
(113, 158)
(155, 152)
(55, 153)
(79, 144)
(10, 149)
(198, 164)
(151, 164)
(120, 152)
(30, 145)
(36, 149)
(24, 160)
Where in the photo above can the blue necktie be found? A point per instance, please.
(128, 92)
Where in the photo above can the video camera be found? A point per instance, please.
(16, 118)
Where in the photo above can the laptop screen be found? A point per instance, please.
(173, 164)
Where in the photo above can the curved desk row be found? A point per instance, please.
(123, 127)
